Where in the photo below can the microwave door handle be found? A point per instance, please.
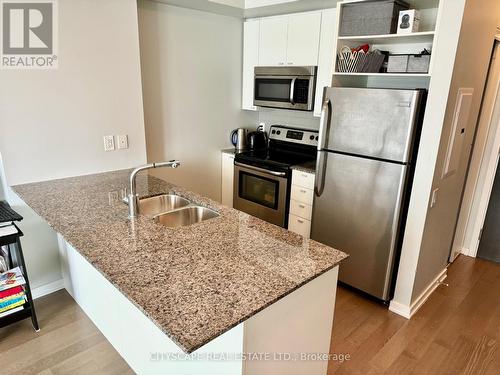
(292, 90)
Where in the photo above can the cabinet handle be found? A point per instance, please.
(280, 63)
(302, 206)
(305, 176)
(300, 221)
(290, 63)
(303, 191)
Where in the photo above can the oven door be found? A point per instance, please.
(261, 193)
(288, 92)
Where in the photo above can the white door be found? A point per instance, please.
(273, 41)
(250, 60)
(303, 39)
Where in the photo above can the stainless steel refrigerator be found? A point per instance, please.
(363, 177)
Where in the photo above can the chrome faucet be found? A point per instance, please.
(133, 200)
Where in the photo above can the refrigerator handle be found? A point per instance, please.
(324, 124)
(324, 129)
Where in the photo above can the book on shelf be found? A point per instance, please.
(17, 303)
(11, 311)
(11, 278)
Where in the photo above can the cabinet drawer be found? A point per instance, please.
(302, 194)
(299, 225)
(303, 179)
(301, 209)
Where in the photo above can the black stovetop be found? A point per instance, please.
(276, 158)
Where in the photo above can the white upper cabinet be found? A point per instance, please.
(273, 41)
(303, 39)
(250, 61)
(290, 40)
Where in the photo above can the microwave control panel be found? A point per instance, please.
(301, 136)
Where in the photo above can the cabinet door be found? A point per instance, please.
(273, 41)
(250, 60)
(326, 60)
(303, 39)
(227, 179)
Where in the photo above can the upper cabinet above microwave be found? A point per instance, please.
(290, 40)
(300, 39)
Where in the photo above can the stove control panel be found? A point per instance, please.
(294, 135)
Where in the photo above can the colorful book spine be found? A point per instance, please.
(20, 303)
(10, 292)
(10, 298)
(11, 302)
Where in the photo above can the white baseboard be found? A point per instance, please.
(408, 311)
(47, 289)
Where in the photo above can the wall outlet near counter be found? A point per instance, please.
(109, 143)
(122, 141)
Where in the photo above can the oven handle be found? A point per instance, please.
(292, 90)
(279, 174)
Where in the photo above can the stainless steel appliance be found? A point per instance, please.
(239, 139)
(364, 171)
(285, 87)
(262, 178)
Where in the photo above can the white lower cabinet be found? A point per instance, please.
(227, 179)
(300, 226)
(301, 203)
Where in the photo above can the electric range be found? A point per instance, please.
(262, 178)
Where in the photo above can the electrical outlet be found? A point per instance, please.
(263, 126)
(109, 143)
(122, 141)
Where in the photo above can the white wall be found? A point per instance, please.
(192, 74)
(52, 122)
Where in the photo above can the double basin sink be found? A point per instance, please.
(174, 211)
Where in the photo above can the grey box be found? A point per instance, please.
(371, 17)
(418, 63)
(397, 64)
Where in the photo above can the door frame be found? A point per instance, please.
(483, 178)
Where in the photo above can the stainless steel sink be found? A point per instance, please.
(161, 203)
(185, 216)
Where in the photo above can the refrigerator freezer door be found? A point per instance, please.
(376, 123)
(359, 213)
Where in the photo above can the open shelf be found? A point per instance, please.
(420, 37)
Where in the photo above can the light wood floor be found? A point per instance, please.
(456, 332)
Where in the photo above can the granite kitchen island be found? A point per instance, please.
(224, 296)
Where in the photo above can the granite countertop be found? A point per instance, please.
(309, 167)
(230, 151)
(193, 282)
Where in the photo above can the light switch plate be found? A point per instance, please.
(122, 141)
(109, 143)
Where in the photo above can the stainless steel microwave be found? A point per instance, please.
(285, 87)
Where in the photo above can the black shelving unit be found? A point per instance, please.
(16, 259)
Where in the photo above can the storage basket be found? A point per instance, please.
(371, 17)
